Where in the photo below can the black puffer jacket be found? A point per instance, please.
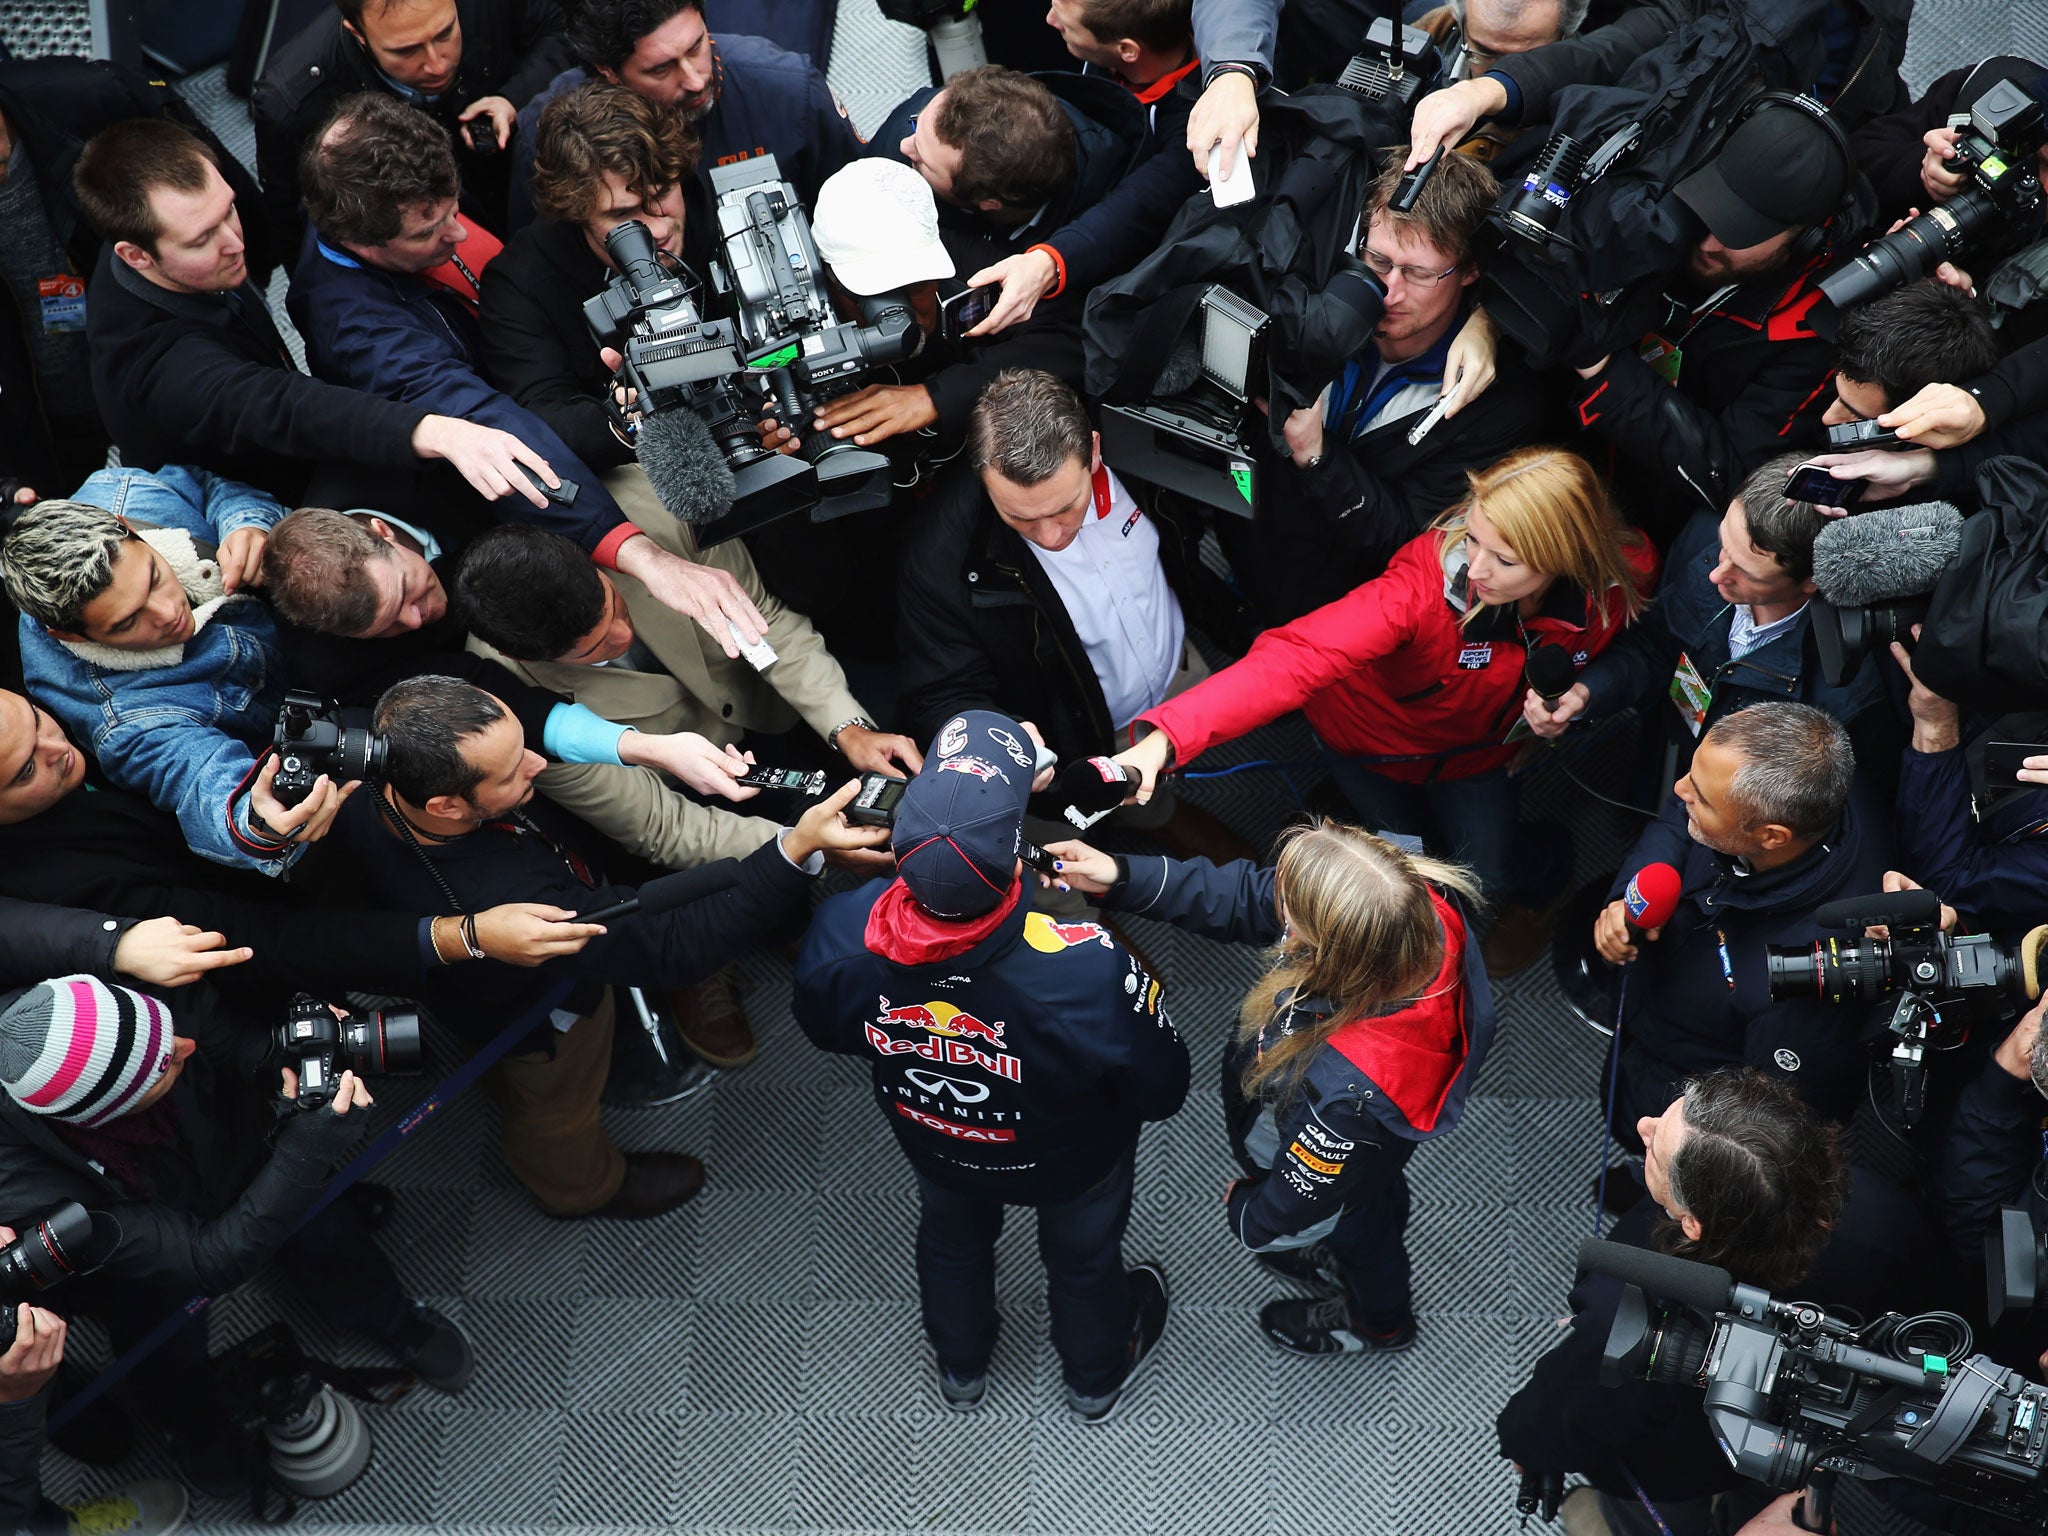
(219, 1192)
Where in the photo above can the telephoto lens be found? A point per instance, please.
(379, 1042)
(40, 1258)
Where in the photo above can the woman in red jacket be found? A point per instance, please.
(1418, 675)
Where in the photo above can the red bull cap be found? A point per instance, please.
(957, 826)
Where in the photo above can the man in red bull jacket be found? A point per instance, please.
(1015, 1058)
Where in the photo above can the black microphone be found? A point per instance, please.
(1703, 1286)
(684, 465)
(671, 891)
(1550, 671)
(1907, 909)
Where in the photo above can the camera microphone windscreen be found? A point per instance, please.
(1905, 909)
(1183, 365)
(1895, 552)
(1652, 896)
(1550, 670)
(1704, 1287)
(684, 465)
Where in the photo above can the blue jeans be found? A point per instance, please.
(1471, 820)
(1081, 1241)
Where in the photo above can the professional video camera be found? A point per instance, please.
(1797, 1397)
(790, 334)
(320, 1047)
(1943, 984)
(1402, 69)
(1199, 434)
(675, 359)
(952, 26)
(311, 740)
(1997, 213)
(1875, 571)
(61, 1245)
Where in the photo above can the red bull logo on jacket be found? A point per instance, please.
(1049, 936)
(958, 1032)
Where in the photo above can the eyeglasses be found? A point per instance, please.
(1414, 277)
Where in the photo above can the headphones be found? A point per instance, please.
(1815, 237)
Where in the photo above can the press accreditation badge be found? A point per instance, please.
(1664, 357)
(62, 301)
(1691, 693)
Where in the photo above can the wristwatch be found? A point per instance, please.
(832, 736)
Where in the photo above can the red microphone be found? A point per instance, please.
(1651, 898)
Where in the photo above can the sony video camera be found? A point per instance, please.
(319, 1047)
(790, 336)
(1200, 434)
(1926, 987)
(1997, 213)
(675, 359)
(311, 740)
(1793, 1393)
(59, 1246)
(1401, 67)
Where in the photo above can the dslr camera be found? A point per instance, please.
(311, 740)
(1796, 1397)
(1997, 213)
(1925, 988)
(59, 1246)
(320, 1047)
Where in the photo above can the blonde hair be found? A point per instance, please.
(1362, 934)
(1552, 510)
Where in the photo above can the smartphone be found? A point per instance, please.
(965, 310)
(1812, 484)
(875, 805)
(1852, 435)
(2004, 759)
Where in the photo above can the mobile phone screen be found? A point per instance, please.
(1809, 483)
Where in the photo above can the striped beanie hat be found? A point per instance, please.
(77, 1049)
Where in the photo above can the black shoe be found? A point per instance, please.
(435, 1350)
(1307, 1326)
(102, 1435)
(1148, 1321)
(962, 1394)
(1311, 1266)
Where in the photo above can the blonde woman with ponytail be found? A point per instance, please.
(1360, 1040)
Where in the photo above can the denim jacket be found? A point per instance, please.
(177, 724)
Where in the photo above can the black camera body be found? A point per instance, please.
(1997, 213)
(48, 1253)
(1401, 66)
(1794, 1394)
(791, 339)
(319, 1047)
(1925, 987)
(311, 740)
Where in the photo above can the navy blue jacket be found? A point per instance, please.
(1699, 996)
(404, 338)
(770, 102)
(1994, 870)
(1016, 1067)
(1322, 1146)
(1692, 618)
(1987, 1159)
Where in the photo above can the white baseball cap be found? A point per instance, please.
(877, 227)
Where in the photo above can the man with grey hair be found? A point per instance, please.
(1762, 830)
(1036, 586)
(139, 633)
